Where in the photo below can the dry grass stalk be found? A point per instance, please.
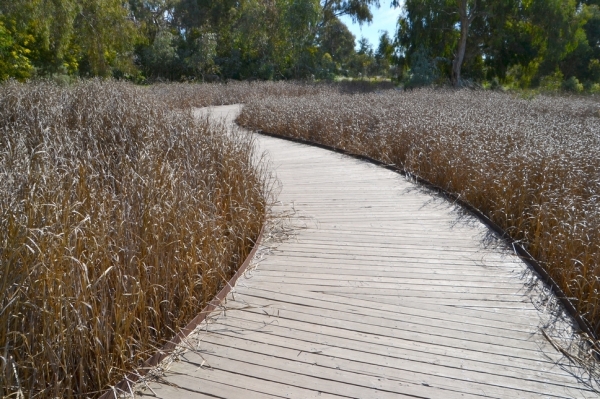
(120, 218)
(532, 166)
(186, 95)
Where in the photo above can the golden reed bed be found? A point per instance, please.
(120, 218)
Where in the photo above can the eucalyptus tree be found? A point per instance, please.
(467, 10)
(90, 37)
(524, 39)
(13, 56)
(104, 37)
(441, 26)
(385, 55)
(358, 10)
(336, 39)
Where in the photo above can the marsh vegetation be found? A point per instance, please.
(120, 217)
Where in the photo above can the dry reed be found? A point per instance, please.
(531, 165)
(185, 95)
(120, 217)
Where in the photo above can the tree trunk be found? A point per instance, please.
(465, 21)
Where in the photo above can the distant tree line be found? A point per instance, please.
(524, 43)
(186, 39)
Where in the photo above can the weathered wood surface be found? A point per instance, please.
(384, 291)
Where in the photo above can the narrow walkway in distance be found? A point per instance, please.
(385, 292)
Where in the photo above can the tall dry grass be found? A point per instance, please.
(120, 217)
(185, 95)
(532, 166)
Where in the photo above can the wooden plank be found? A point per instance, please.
(343, 348)
(397, 242)
(459, 296)
(403, 330)
(338, 252)
(366, 233)
(473, 321)
(256, 366)
(414, 261)
(403, 266)
(355, 347)
(396, 284)
(415, 278)
(360, 370)
(185, 387)
(505, 308)
(390, 338)
(386, 249)
(233, 383)
(406, 307)
(325, 372)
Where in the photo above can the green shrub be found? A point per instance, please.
(573, 85)
(552, 82)
(423, 71)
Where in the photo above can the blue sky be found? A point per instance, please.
(384, 18)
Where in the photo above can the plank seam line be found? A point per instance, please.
(294, 372)
(491, 373)
(299, 372)
(484, 345)
(347, 312)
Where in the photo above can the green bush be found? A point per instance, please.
(552, 82)
(573, 85)
(423, 71)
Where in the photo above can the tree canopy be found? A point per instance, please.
(514, 41)
(178, 39)
(45, 37)
(517, 42)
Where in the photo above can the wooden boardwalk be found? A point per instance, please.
(384, 291)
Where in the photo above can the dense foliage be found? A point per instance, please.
(120, 218)
(550, 43)
(529, 165)
(179, 39)
(518, 43)
(44, 37)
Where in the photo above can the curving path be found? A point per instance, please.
(385, 291)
